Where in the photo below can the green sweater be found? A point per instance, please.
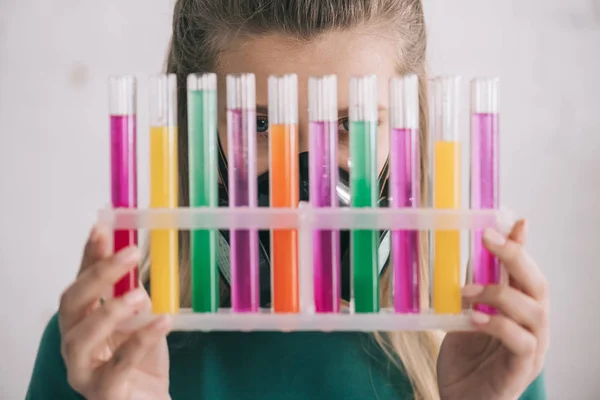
(260, 365)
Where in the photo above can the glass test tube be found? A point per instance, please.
(122, 109)
(363, 113)
(404, 189)
(484, 184)
(284, 188)
(164, 251)
(446, 193)
(241, 144)
(323, 141)
(202, 144)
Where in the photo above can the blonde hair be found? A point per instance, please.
(203, 28)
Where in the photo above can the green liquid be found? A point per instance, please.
(364, 243)
(202, 144)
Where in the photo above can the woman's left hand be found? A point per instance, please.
(506, 352)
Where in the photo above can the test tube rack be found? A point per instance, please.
(306, 219)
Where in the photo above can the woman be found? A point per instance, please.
(82, 353)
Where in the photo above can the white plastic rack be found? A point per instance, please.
(306, 219)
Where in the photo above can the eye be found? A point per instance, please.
(344, 125)
(262, 124)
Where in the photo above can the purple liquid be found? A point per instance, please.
(241, 130)
(326, 247)
(484, 194)
(123, 175)
(404, 189)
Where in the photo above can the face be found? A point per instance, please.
(345, 54)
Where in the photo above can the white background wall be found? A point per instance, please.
(54, 59)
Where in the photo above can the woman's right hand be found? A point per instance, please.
(103, 362)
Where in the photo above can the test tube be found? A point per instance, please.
(202, 144)
(363, 115)
(446, 193)
(404, 189)
(323, 141)
(164, 252)
(241, 145)
(122, 109)
(284, 188)
(484, 176)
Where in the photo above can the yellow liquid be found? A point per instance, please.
(164, 253)
(446, 268)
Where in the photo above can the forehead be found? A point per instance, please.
(345, 54)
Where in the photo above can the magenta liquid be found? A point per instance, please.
(323, 181)
(124, 187)
(404, 190)
(484, 194)
(245, 295)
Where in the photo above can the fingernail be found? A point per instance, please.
(472, 290)
(494, 237)
(480, 318)
(130, 254)
(134, 297)
(525, 226)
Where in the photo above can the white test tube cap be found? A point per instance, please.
(484, 95)
(363, 98)
(322, 98)
(445, 96)
(163, 100)
(404, 102)
(206, 81)
(241, 92)
(122, 95)
(283, 99)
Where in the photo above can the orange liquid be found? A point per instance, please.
(284, 187)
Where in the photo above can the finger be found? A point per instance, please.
(80, 341)
(87, 289)
(519, 265)
(132, 352)
(516, 338)
(514, 304)
(96, 248)
(519, 235)
(519, 232)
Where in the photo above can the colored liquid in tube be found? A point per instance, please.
(446, 158)
(484, 195)
(404, 188)
(364, 243)
(123, 167)
(284, 193)
(322, 194)
(202, 143)
(164, 243)
(446, 279)
(241, 131)
(284, 189)
(323, 171)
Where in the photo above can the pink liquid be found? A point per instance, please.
(323, 181)
(404, 190)
(484, 194)
(245, 295)
(124, 187)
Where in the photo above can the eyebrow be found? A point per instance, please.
(261, 109)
